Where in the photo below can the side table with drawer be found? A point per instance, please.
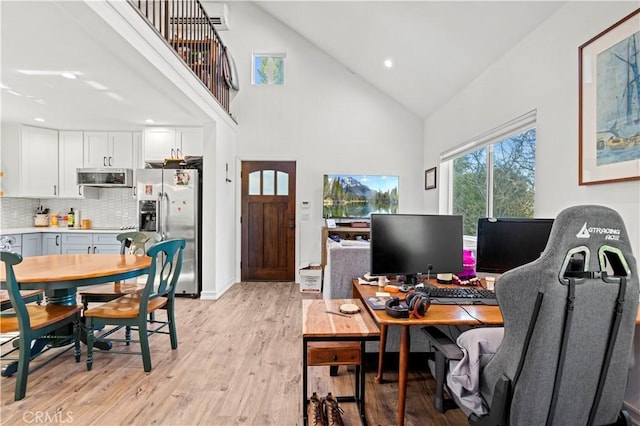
(330, 339)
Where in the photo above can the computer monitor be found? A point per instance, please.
(506, 243)
(409, 244)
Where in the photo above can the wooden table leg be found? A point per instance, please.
(403, 371)
(383, 346)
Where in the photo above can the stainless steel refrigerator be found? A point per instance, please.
(169, 203)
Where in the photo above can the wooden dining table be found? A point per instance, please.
(60, 275)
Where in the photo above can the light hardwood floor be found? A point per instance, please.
(239, 362)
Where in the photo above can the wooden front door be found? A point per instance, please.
(268, 220)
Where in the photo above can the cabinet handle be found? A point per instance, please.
(178, 153)
(135, 191)
(57, 240)
(172, 153)
(79, 190)
(104, 161)
(55, 190)
(89, 250)
(94, 250)
(110, 161)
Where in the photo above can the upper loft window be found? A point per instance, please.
(268, 69)
(494, 175)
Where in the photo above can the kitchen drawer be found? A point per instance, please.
(106, 239)
(333, 353)
(77, 238)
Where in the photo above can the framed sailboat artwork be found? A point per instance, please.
(609, 104)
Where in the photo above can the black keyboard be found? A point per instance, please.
(461, 296)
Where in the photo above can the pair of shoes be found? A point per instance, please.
(324, 411)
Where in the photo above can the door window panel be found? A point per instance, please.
(254, 183)
(282, 180)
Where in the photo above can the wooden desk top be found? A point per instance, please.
(436, 315)
(440, 314)
(316, 322)
(75, 267)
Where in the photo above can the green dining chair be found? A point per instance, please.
(132, 310)
(34, 323)
(130, 243)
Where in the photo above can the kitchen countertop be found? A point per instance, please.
(60, 229)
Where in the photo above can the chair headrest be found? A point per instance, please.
(591, 229)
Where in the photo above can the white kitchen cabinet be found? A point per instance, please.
(163, 142)
(108, 149)
(29, 161)
(31, 244)
(190, 141)
(71, 156)
(51, 243)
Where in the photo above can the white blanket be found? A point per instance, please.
(478, 346)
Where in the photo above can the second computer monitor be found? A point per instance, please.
(409, 244)
(504, 244)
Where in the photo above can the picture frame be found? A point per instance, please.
(609, 104)
(430, 178)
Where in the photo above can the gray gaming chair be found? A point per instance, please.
(569, 319)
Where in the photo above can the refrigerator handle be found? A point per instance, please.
(165, 218)
(159, 228)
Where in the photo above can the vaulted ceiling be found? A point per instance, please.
(437, 48)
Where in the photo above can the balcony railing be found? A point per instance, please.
(187, 28)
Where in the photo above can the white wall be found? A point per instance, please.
(324, 117)
(541, 73)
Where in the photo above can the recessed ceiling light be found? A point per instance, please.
(388, 63)
(149, 121)
(41, 120)
(69, 75)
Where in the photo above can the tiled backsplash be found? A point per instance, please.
(115, 207)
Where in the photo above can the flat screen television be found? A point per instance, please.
(358, 196)
(506, 243)
(409, 244)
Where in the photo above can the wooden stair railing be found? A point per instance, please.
(186, 27)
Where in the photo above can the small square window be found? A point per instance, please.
(268, 69)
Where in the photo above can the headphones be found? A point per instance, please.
(418, 303)
(395, 309)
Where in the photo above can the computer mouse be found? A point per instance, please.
(405, 288)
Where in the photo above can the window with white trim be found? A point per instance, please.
(493, 175)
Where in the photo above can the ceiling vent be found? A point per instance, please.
(219, 14)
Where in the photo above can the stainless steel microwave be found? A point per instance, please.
(105, 178)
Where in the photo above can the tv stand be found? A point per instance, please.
(345, 233)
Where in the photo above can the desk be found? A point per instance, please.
(436, 315)
(320, 326)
